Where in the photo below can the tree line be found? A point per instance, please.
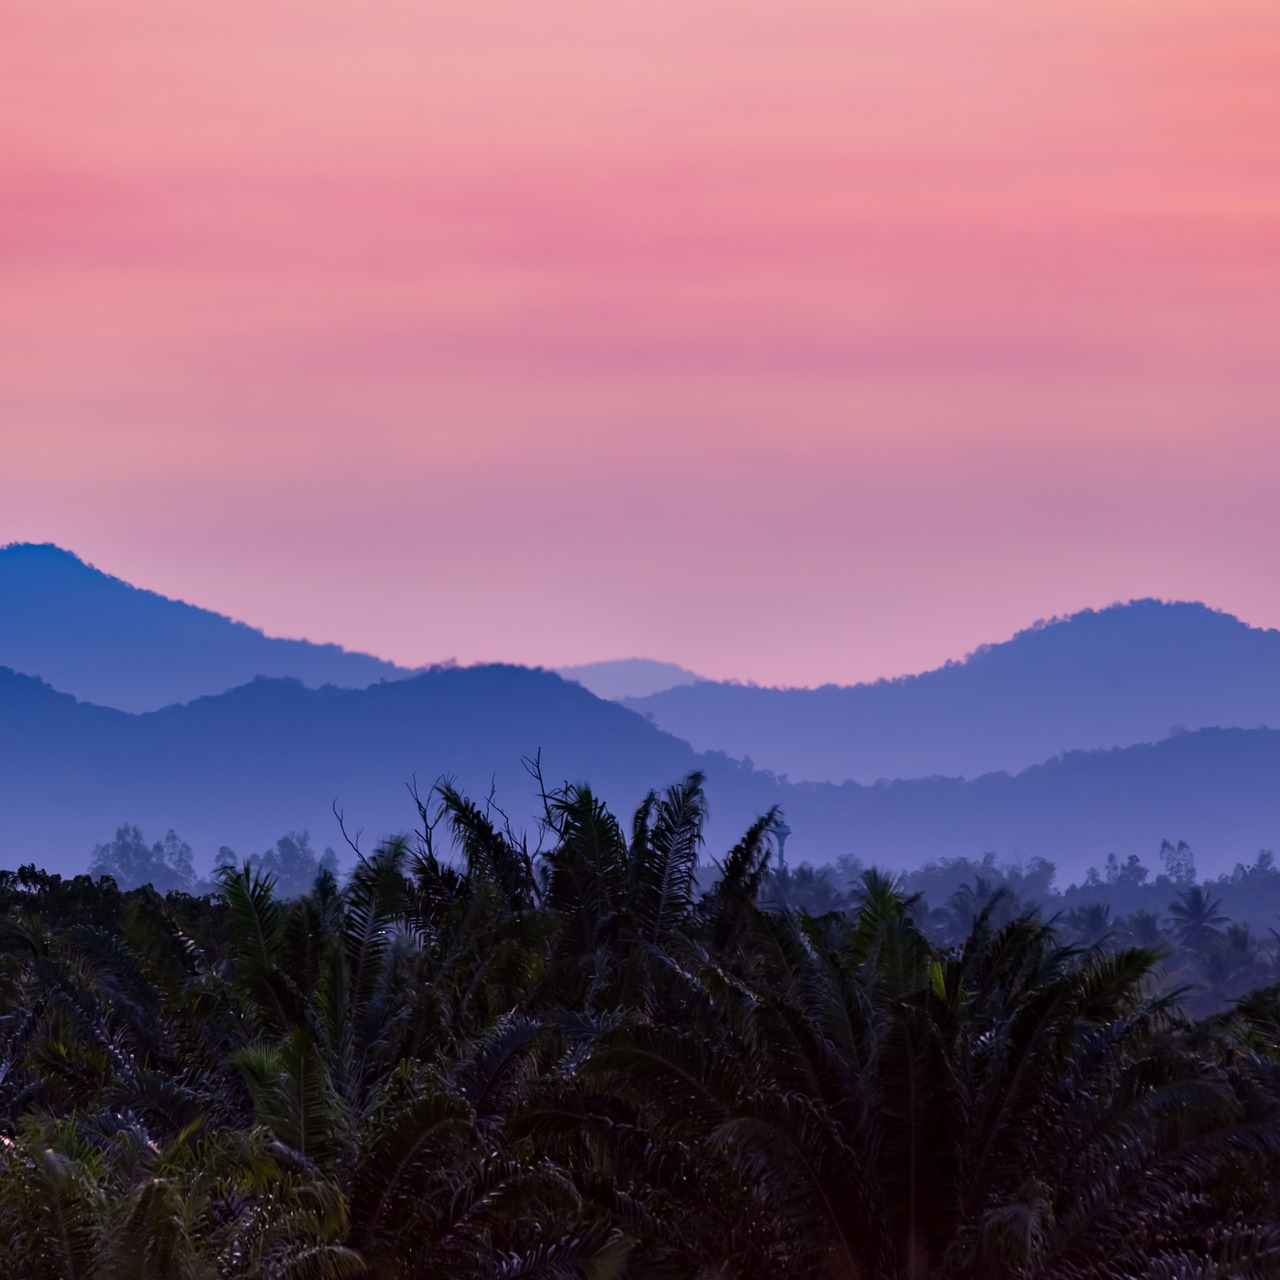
(1214, 938)
(566, 1055)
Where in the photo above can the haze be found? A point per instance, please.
(792, 341)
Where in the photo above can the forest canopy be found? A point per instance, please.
(578, 1054)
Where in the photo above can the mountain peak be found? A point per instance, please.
(1145, 612)
(628, 677)
(1123, 626)
(100, 638)
(39, 549)
(1116, 676)
(46, 556)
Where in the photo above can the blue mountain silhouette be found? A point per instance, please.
(1111, 677)
(259, 755)
(243, 767)
(101, 639)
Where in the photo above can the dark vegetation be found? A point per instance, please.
(482, 1058)
(1215, 939)
(169, 864)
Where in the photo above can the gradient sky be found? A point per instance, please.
(792, 340)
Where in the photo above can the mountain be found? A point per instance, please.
(105, 641)
(1218, 789)
(1111, 677)
(628, 677)
(243, 767)
(256, 757)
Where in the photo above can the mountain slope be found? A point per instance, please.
(243, 767)
(103, 640)
(1112, 677)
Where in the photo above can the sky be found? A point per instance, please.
(791, 340)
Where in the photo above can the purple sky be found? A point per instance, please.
(795, 342)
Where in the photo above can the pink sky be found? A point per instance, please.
(792, 340)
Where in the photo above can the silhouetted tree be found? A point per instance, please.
(130, 861)
(1196, 917)
(1179, 862)
(1130, 874)
(473, 1059)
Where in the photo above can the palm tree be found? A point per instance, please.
(1090, 925)
(969, 902)
(1142, 928)
(497, 1062)
(1196, 917)
(905, 1113)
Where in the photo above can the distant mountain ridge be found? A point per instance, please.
(1102, 678)
(1111, 677)
(243, 767)
(273, 754)
(628, 677)
(95, 636)
(1077, 712)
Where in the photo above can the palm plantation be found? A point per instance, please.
(477, 1059)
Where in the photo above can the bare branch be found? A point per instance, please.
(342, 826)
(426, 837)
(547, 823)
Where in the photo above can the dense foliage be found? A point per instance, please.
(570, 1060)
(1214, 937)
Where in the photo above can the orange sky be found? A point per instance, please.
(795, 341)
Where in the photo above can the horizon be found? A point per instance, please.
(844, 336)
(557, 668)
